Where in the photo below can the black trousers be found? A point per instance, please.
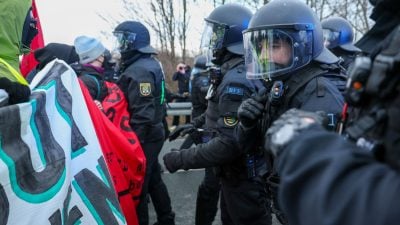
(207, 198)
(155, 187)
(245, 203)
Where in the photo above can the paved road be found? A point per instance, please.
(182, 187)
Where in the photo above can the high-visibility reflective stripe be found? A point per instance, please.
(15, 73)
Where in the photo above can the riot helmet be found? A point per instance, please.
(133, 35)
(282, 37)
(200, 62)
(223, 31)
(200, 65)
(338, 33)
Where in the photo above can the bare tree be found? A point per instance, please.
(354, 11)
(182, 29)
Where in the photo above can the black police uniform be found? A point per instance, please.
(317, 94)
(243, 201)
(349, 186)
(199, 87)
(200, 84)
(142, 81)
(320, 93)
(209, 189)
(356, 179)
(332, 181)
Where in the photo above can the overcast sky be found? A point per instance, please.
(63, 20)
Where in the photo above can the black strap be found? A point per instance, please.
(97, 85)
(366, 123)
(382, 81)
(299, 80)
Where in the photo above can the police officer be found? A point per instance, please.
(142, 81)
(353, 180)
(285, 54)
(338, 37)
(385, 14)
(243, 199)
(198, 87)
(199, 83)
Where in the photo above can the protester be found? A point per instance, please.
(50, 52)
(17, 29)
(91, 72)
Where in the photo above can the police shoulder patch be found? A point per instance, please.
(145, 89)
(230, 121)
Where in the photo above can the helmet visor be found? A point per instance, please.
(331, 38)
(124, 40)
(212, 39)
(271, 52)
(266, 52)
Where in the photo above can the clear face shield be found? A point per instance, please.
(272, 52)
(124, 40)
(331, 38)
(212, 39)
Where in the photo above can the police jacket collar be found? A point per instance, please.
(231, 63)
(130, 57)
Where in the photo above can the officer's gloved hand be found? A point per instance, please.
(181, 130)
(197, 136)
(173, 160)
(288, 126)
(251, 110)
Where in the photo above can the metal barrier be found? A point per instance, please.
(179, 108)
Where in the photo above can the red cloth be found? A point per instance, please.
(28, 61)
(125, 160)
(115, 108)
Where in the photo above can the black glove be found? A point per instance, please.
(173, 160)
(197, 136)
(181, 130)
(288, 126)
(17, 92)
(251, 110)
